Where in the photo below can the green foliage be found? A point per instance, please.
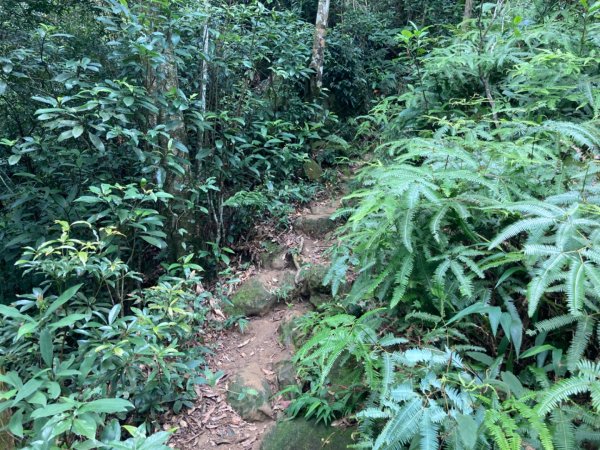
(475, 238)
(72, 358)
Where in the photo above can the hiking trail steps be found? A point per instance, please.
(238, 412)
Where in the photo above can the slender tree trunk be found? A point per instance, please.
(468, 12)
(203, 86)
(205, 69)
(174, 120)
(318, 53)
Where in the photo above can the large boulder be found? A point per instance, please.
(301, 434)
(311, 279)
(249, 394)
(252, 298)
(257, 295)
(315, 225)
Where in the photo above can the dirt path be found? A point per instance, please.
(213, 422)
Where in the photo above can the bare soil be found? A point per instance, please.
(212, 423)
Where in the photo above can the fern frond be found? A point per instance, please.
(403, 426)
(576, 286)
(580, 341)
(563, 435)
(555, 323)
(560, 392)
(402, 278)
(520, 227)
(428, 432)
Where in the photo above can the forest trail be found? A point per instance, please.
(238, 412)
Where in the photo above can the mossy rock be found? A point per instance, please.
(289, 333)
(285, 373)
(249, 395)
(300, 434)
(286, 288)
(315, 225)
(274, 257)
(312, 170)
(318, 299)
(312, 278)
(251, 299)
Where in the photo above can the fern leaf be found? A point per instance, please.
(564, 431)
(555, 323)
(428, 432)
(576, 286)
(406, 228)
(560, 392)
(538, 285)
(520, 227)
(465, 284)
(402, 278)
(436, 220)
(580, 341)
(404, 425)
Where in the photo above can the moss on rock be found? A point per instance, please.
(251, 299)
(289, 333)
(312, 170)
(317, 299)
(249, 395)
(315, 225)
(274, 256)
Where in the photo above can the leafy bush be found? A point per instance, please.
(97, 348)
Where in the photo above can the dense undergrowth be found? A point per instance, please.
(141, 140)
(136, 139)
(473, 242)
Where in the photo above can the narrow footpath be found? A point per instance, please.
(243, 411)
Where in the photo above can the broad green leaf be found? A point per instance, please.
(62, 299)
(46, 346)
(113, 313)
(15, 425)
(67, 321)
(13, 313)
(154, 241)
(14, 159)
(52, 410)
(107, 405)
(476, 308)
(85, 425)
(537, 349)
(28, 389)
(77, 131)
(27, 328)
(96, 142)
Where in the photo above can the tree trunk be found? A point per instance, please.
(174, 120)
(318, 53)
(468, 13)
